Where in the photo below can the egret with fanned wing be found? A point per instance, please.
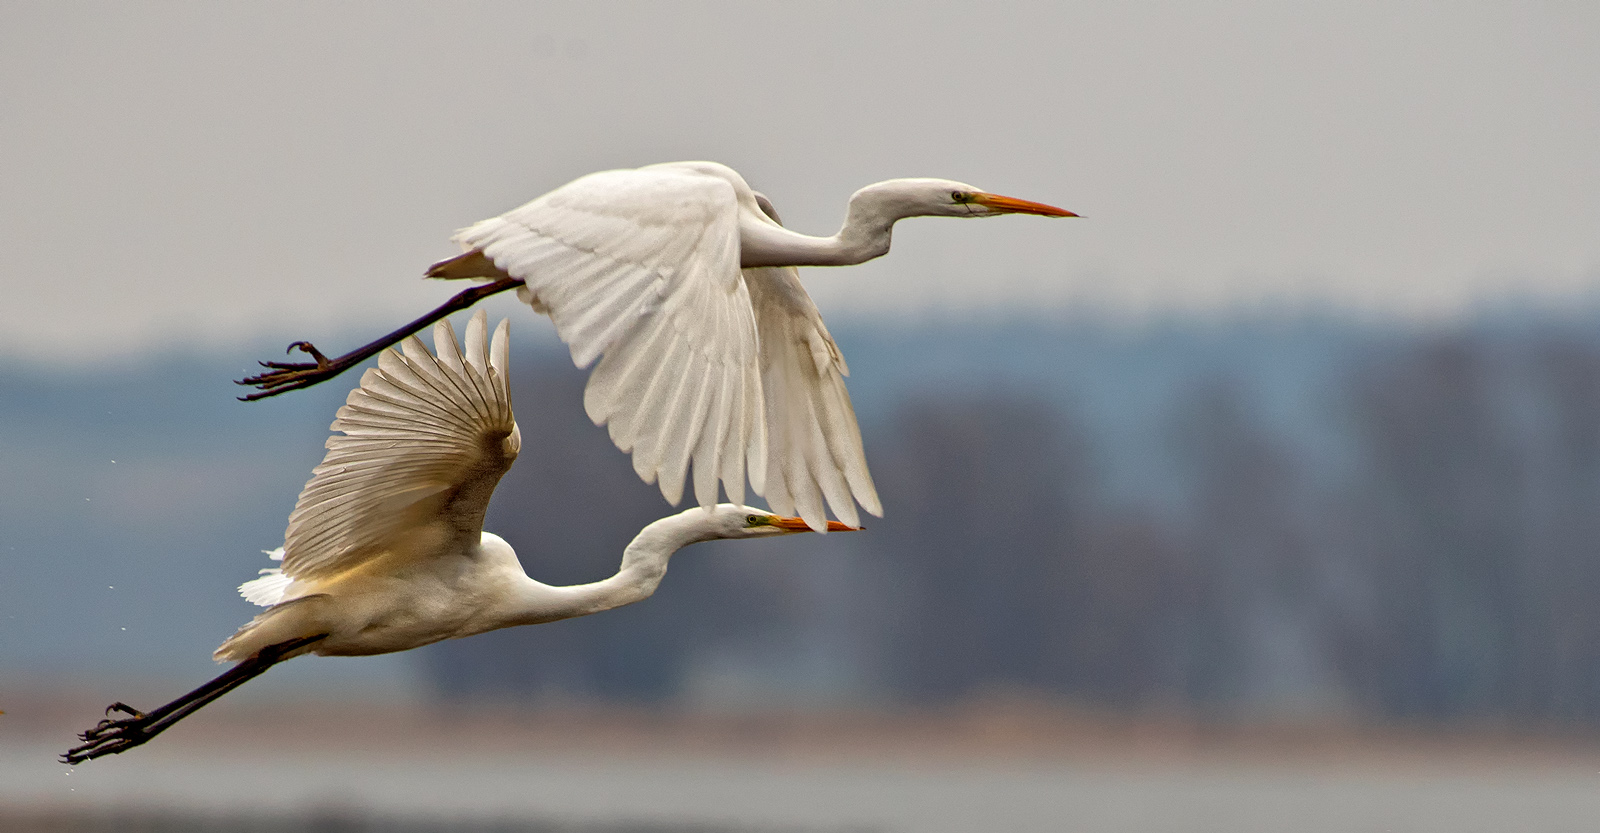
(679, 281)
(385, 549)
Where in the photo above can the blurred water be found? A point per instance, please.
(743, 793)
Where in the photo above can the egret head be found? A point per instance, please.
(948, 198)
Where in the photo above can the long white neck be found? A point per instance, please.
(644, 563)
(868, 226)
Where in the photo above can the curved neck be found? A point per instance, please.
(644, 563)
(868, 226)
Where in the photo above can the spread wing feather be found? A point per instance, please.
(425, 438)
(813, 442)
(639, 270)
(698, 365)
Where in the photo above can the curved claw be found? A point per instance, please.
(96, 748)
(280, 381)
(125, 709)
(110, 736)
(305, 347)
(287, 376)
(288, 365)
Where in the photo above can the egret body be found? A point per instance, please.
(385, 549)
(678, 284)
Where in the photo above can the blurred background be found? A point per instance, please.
(1264, 496)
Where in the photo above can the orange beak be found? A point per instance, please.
(799, 525)
(1012, 205)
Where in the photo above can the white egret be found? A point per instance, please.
(679, 280)
(385, 550)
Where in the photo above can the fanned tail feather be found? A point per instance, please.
(269, 589)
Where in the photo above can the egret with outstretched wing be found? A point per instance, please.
(676, 282)
(385, 549)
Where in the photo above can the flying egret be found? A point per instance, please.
(385, 549)
(679, 280)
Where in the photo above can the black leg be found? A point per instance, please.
(109, 736)
(287, 376)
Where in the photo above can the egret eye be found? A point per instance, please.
(960, 196)
(755, 520)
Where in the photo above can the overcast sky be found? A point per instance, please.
(205, 174)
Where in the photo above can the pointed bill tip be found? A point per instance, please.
(800, 525)
(1012, 205)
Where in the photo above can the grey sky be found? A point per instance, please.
(206, 173)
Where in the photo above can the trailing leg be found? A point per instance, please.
(111, 736)
(287, 376)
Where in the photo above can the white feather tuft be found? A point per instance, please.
(269, 589)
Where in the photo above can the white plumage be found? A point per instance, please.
(678, 281)
(642, 268)
(267, 590)
(385, 549)
(385, 546)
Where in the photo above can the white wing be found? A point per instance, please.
(640, 269)
(425, 441)
(813, 443)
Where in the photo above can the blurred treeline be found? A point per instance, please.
(1306, 520)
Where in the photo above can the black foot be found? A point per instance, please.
(109, 736)
(287, 376)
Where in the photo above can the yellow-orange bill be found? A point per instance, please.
(799, 525)
(1013, 205)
